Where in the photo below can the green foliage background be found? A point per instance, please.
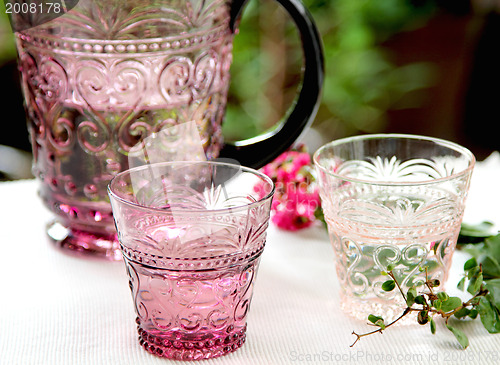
(7, 47)
(361, 82)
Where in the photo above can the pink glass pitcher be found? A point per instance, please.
(99, 76)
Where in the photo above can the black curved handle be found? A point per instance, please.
(258, 151)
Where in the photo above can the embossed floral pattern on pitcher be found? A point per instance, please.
(105, 75)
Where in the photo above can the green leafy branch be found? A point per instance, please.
(481, 280)
(484, 247)
(429, 304)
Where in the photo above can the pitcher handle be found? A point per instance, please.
(258, 151)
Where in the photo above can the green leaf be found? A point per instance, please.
(470, 264)
(451, 304)
(462, 313)
(380, 323)
(473, 313)
(373, 318)
(377, 321)
(442, 296)
(475, 284)
(473, 233)
(473, 272)
(433, 326)
(420, 299)
(483, 229)
(460, 336)
(461, 284)
(493, 287)
(437, 304)
(410, 296)
(490, 266)
(489, 315)
(388, 285)
(475, 250)
(492, 244)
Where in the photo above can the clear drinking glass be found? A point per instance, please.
(192, 234)
(391, 199)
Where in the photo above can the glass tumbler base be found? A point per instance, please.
(180, 349)
(84, 244)
(362, 308)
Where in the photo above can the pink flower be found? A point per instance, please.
(296, 200)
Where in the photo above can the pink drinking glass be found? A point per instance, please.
(191, 234)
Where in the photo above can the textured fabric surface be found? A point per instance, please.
(58, 309)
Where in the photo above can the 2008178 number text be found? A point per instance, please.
(33, 8)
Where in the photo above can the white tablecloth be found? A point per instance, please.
(58, 309)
